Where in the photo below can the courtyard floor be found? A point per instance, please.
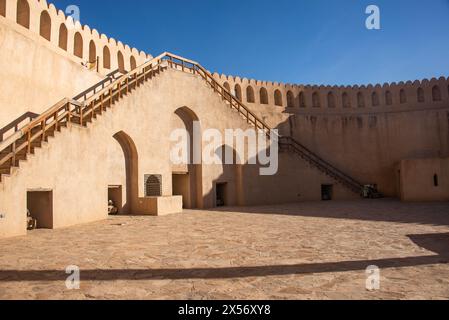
(297, 251)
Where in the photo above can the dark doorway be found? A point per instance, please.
(221, 194)
(115, 198)
(40, 207)
(326, 192)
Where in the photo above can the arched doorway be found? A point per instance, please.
(187, 178)
(131, 158)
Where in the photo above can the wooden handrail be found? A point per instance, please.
(15, 124)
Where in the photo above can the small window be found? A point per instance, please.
(436, 183)
(153, 185)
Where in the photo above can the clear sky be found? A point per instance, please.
(291, 41)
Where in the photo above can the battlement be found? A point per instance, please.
(292, 97)
(87, 46)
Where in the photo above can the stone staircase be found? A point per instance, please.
(93, 102)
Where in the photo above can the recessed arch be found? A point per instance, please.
(121, 62)
(3, 8)
(420, 95)
(360, 100)
(23, 13)
(250, 95)
(92, 52)
(131, 158)
(238, 92)
(132, 62)
(45, 25)
(78, 45)
(302, 100)
(290, 99)
(278, 98)
(402, 96)
(316, 103)
(263, 96)
(375, 99)
(331, 100)
(346, 100)
(63, 37)
(106, 58)
(436, 93)
(388, 98)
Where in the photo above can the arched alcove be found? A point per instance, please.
(420, 95)
(316, 103)
(238, 92)
(331, 100)
(78, 45)
(23, 13)
(132, 62)
(263, 96)
(375, 99)
(402, 96)
(45, 25)
(302, 100)
(290, 99)
(3, 8)
(250, 95)
(436, 93)
(63, 37)
(121, 62)
(106, 58)
(346, 100)
(360, 100)
(388, 98)
(278, 98)
(92, 52)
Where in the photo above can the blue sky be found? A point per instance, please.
(292, 41)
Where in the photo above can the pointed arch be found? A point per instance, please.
(132, 62)
(238, 92)
(106, 58)
(92, 52)
(263, 96)
(250, 95)
(330, 100)
(420, 94)
(360, 100)
(375, 99)
(346, 100)
(278, 98)
(23, 13)
(316, 100)
(290, 99)
(78, 46)
(436, 93)
(388, 98)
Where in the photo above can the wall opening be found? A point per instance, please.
(263, 96)
(346, 100)
(327, 191)
(402, 96)
(181, 187)
(92, 52)
(290, 99)
(316, 103)
(63, 37)
(23, 13)
(436, 93)
(375, 99)
(421, 97)
(153, 185)
(132, 62)
(250, 95)
(78, 45)
(121, 62)
(278, 98)
(360, 100)
(330, 100)
(302, 100)
(238, 92)
(115, 200)
(388, 98)
(45, 26)
(40, 207)
(221, 194)
(106, 58)
(3, 8)
(436, 181)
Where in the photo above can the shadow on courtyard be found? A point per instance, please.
(437, 243)
(382, 210)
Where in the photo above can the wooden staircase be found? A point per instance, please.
(93, 102)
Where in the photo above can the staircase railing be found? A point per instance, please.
(94, 102)
(17, 124)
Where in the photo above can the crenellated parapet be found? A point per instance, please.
(85, 45)
(432, 93)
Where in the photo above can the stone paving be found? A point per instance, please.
(297, 251)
